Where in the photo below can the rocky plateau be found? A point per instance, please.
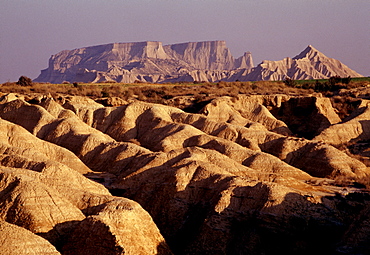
(248, 174)
(209, 61)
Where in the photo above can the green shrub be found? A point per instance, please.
(346, 80)
(290, 82)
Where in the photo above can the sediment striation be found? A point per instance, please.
(77, 177)
(193, 61)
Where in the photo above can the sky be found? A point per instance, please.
(33, 30)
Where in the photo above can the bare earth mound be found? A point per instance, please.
(77, 177)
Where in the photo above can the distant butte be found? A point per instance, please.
(191, 61)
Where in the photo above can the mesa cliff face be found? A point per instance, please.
(193, 61)
(128, 62)
(66, 65)
(213, 55)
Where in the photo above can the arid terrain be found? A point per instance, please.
(208, 61)
(206, 168)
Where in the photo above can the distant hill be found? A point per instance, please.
(309, 64)
(192, 61)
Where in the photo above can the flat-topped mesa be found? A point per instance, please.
(133, 61)
(102, 57)
(64, 65)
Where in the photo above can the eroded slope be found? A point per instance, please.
(228, 180)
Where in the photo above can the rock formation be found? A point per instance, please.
(307, 116)
(309, 64)
(352, 130)
(146, 61)
(245, 61)
(17, 240)
(80, 178)
(44, 193)
(193, 61)
(212, 55)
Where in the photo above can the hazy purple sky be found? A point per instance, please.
(32, 30)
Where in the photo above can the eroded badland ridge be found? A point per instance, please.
(243, 174)
(193, 61)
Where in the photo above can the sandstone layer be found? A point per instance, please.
(209, 61)
(144, 61)
(44, 193)
(78, 177)
(309, 64)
